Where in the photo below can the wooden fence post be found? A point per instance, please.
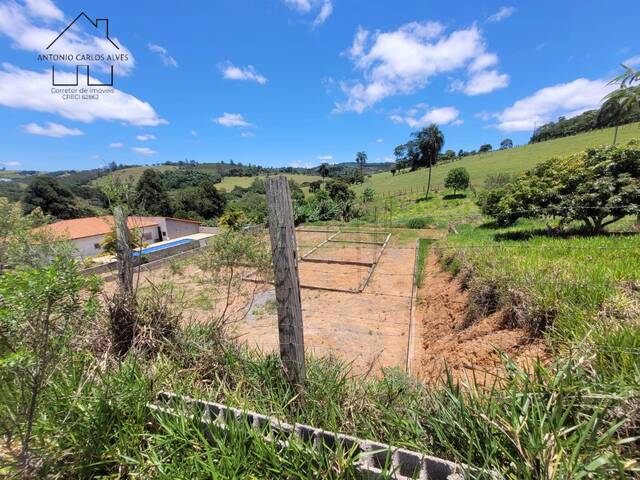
(287, 283)
(123, 249)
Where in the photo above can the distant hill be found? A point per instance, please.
(513, 160)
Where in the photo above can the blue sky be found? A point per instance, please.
(298, 82)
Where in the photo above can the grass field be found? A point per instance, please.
(581, 289)
(514, 160)
(133, 174)
(228, 183)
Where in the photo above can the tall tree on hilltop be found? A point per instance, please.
(361, 159)
(621, 101)
(430, 141)
(506, 143)
(323, 171)
(151, 194)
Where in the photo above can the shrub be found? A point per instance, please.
(368, 195)
(417, 222)
(457, 179)
(233, 219)
(597, 187)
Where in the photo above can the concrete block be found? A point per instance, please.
(376, 459)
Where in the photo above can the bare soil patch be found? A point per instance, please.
(369, 330)
(473, 351)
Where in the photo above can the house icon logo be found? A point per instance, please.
(83, 61)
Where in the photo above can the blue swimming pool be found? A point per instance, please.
(164, 246)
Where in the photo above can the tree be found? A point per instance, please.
(457, 179)
(506, 143)
(449, 155)
(151, 194)
(340, 191)
(202, 202)
(361, 159)
(393, 171)
(324, 171)
(622, 101)
(430, 141)
(53, 198)
(485, 148)
(597, 187)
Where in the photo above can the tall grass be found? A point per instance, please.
(583, 292)
(550, 423)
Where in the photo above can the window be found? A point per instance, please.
(146, 236)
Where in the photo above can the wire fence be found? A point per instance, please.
(384, 321)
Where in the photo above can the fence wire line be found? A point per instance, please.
(586, 349)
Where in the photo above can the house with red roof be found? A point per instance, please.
(88, 233)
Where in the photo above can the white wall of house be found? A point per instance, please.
(172, 228)
(176, 228)
(91, 245)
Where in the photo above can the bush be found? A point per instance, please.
(457, 179)
(368, 195)
(417, 222)
(597, 187)
(233, 220)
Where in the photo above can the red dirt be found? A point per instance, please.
(443, 342)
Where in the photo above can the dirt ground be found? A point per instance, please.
(369, 330)
(473, 351)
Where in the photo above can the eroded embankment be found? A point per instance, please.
(445, 340)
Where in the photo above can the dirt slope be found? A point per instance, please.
(442, 341)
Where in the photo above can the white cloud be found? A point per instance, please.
(167, 60)
(483, 62)
(11, 163)
(194, 133)
(503, 13)
(482, 82)
(247, 134)
(633, 61)
(23, 24)
(116, 145)
(248, 73)
(324, 9)
(145, 137)
(403, 61)
(232, 120)
(44, 9)
(457, 123)
(298, 164)
(145, 151)
(325, 12)
(52, 130)
(303, 6)
(379, 140)
(325, 158)
(568, 99)
(32, 90)
(440, 116)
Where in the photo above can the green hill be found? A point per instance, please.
(514, 160)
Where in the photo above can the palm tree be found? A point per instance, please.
(323, 171)
(430, 141)
(361, 159)
(622, 100)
